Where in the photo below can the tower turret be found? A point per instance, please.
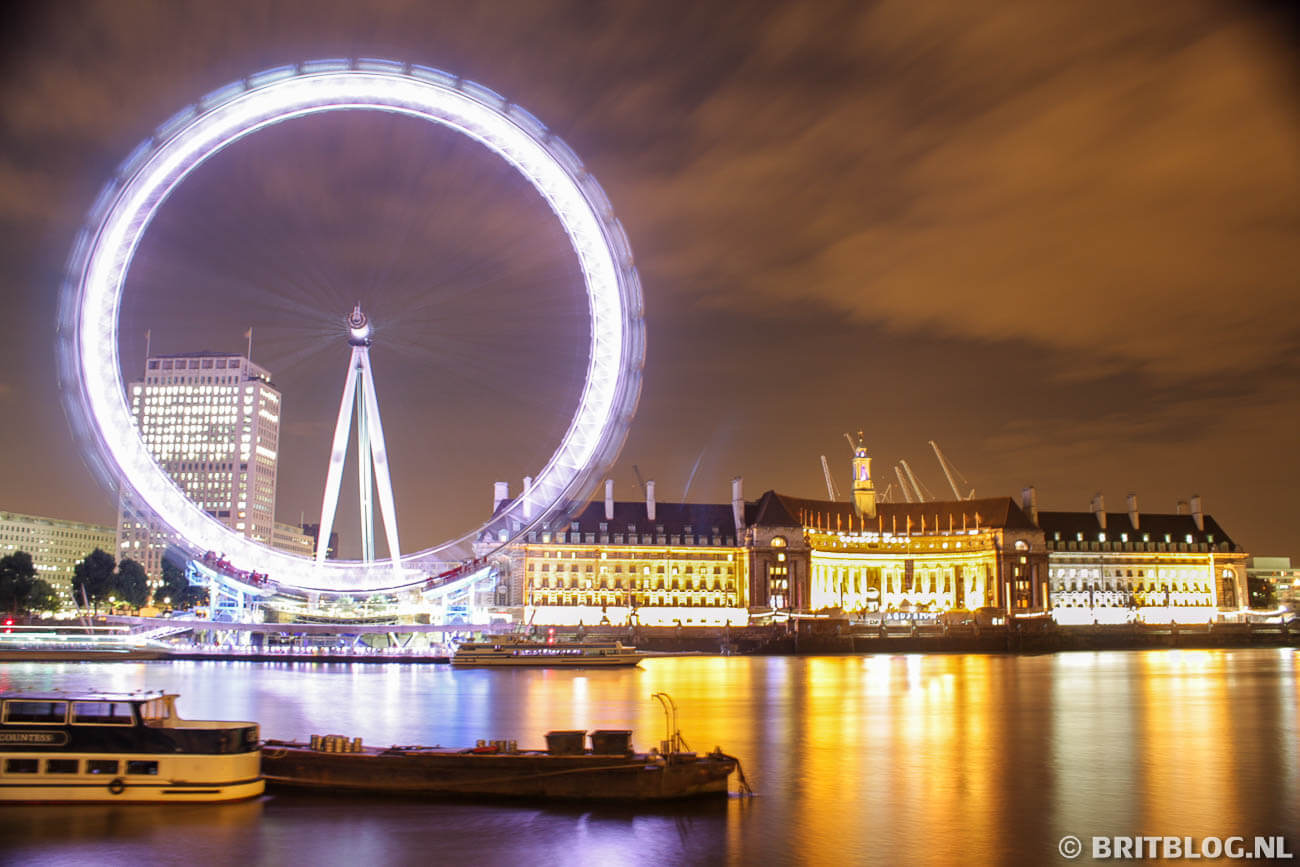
(864, 491)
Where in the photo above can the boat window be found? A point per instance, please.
(101, 766)
(36, 711)
(21, 766)
(141, 767)
(61, 766)
(102, 712)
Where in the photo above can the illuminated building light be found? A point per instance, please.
(1175, 614)
(91, 299)
(594, 615)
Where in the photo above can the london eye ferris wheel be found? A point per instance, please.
(91, 302)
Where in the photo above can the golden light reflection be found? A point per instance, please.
(1188, 741)
(883, 741)
(930, 759)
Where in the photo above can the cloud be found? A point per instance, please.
(1106, 181)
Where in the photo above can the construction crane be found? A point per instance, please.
(640, 482)
(916, 486)
(902, 484)
(852, 447)
(886, 496)
(949, 470)
(831, 491)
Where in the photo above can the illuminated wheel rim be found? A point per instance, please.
(90, 376)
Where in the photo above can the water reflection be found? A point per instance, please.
(882, 759)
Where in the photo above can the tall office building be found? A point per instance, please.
(212, 421)
(56, 546)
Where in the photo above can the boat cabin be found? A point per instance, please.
(140, 722)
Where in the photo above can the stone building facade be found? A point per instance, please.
(1125, 566)
(711, 563)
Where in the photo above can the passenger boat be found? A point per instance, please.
(512, 650)
(121, 748)
(609, 771)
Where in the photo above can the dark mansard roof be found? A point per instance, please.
(671, 519)
(1176, 527)
(773, 509)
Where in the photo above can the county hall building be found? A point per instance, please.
(652, 563)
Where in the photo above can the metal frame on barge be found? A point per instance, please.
(121, 748)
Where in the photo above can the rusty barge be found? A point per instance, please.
(567, 770)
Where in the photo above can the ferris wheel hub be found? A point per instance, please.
(359, 329)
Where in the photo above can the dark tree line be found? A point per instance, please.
(176, 590)
(20, 589)
(95, 580)
(99, 578)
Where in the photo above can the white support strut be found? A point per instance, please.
(365, 480)
(379, 454)
(334, 477)
(372, 453)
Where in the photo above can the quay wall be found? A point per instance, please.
(820, 637)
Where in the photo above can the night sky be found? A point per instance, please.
(1061, 239)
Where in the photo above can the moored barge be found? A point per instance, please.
(121, 748)
(609, 771)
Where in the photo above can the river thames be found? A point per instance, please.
(910, 759)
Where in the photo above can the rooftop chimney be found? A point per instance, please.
(1099, 509)
(500, 493)
(609, 499)
(1182, 507)
(1133, 516)
(1029, 502)
(528, 498)
(738, 504)
(650, 500)
(1197, 515)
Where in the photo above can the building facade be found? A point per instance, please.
(644, 562)
(1116, 567)
(292, 540)
(820, 555)
(312, 531)
(212, 422)
(1279, 575)
(641, 562)
(56, 546)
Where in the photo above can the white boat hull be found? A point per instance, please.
(179, 778)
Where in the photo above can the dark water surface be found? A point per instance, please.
(940, 759)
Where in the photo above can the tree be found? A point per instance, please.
(92, 578)
(17, 575)
(131, 583)
(176, 589)
(43, 596)
(1262, 593)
